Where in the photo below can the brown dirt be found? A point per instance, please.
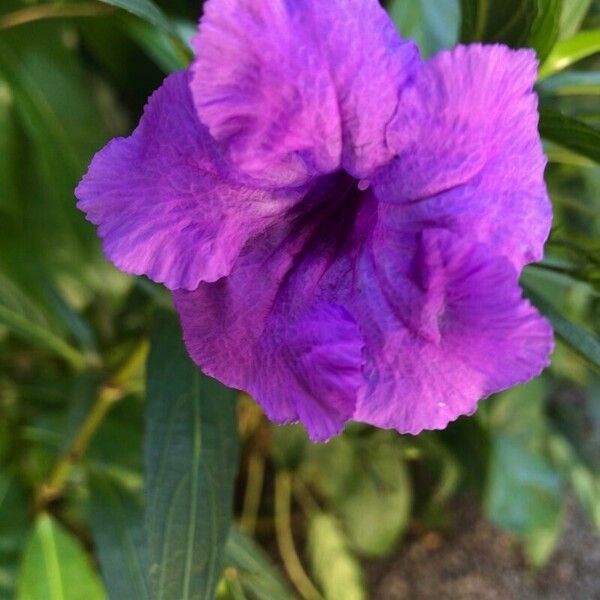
(477, 561)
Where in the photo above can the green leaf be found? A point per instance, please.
(519, 413)
(572, 83)
(433, 24)
(145, 9)
(257, 575)
(55, 567)
(335, 568)
(510, 22)
(191, 450)
(368, 486)
(584, 481)
(13, 527)
(28, 322)
(546, 27)
(571, 133)
(573, 14)
(156, 44)
(582, 341)
(524, 494)
(116, 517)
(56, 109)
(571, 50)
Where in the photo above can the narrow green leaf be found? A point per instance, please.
(13, 528)
(571, 133)
(572, 83)
(27, 321)
(258, 576)
(583, 342)
(546, 27)
(571, 50)
(145, 9)
(56, 108)
(55, 567)
(336, 570)
(472, 20)
(573, 14)
(116, 516)
(191, 452)
(157, 44)
(510, 22)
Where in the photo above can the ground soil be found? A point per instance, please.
(477, 561)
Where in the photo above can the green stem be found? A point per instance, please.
(252, 494)
(285, 538)
(110, 393)
(53, 11)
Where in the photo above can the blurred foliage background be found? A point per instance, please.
(125, 480)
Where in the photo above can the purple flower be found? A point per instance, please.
(342, 224)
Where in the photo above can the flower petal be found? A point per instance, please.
(469, 155)
(270, 329)
(297, 88)
(470, 335)
(164, 202)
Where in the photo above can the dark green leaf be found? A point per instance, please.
(570, 133)
(258, 576)
(116, 517)
(56, 107)
(13, 526)
(583, 342)
(145, 9)
(27, 321)
(55, 567)
(157, 44)
(336, 570)
(191, 452)
(510, 22)
(546, 27)
(571, 50)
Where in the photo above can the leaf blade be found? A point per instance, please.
(570, 51)
(55, 567)
(190, 459)
(583, 342)
(116, 517)
(571, 133)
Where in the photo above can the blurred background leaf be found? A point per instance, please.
(56, 567)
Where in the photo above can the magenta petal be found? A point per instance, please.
(299, 88)
(469, 155)
(469, 335)
(164, 202)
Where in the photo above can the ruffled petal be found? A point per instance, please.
(165, 203)
(462, 333)
(469, 156)
(277, 326)
(296, 88)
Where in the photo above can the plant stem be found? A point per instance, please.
(110, 393)
(53, 11)
(253, 494)
(285, 538)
